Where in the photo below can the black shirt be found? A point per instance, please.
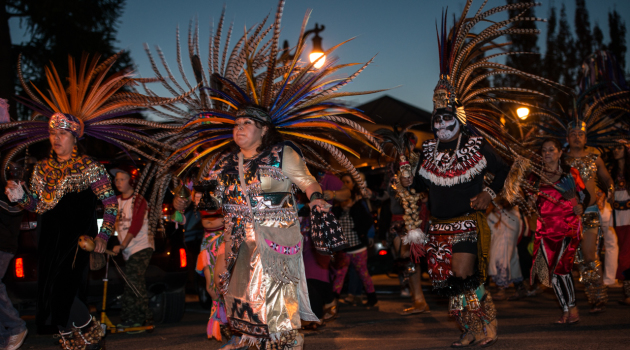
(452, 201)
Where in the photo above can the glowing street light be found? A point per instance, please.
(318, 51)
(522, 113)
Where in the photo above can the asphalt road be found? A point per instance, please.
(524, 324)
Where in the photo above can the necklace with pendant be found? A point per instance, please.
(447, 166)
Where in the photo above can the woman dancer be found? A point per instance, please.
(558, 228)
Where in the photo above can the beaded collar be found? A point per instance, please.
(446, 169)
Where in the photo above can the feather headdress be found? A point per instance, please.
(91, 104)
(254, 80)
(294, 97)
(463, 89)
(603, 103)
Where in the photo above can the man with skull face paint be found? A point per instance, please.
(453, 166)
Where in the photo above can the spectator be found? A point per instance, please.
(12, 328)
(136, 246)
(356, 222)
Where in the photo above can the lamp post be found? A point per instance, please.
(316, 53)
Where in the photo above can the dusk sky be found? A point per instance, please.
(401, 32)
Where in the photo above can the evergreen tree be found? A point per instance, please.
(565, 46)
(617, 37)
(57, 29)
(584, 42)
(550, 61)
(530, 63)
(598, 39)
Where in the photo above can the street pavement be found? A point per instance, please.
(523, 324)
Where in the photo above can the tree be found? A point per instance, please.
(565, 47)
(57, 29)
(530, 63)
(584, 44)
(552, 54)
(598, 38)
(617, 37)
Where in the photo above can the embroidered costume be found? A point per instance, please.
(265, 287)
(601, 104)
(65, 193)
(453, 166)
(558, 234)
(210, 245)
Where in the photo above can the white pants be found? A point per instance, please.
(612, 253)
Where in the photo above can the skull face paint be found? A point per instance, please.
(445, 126)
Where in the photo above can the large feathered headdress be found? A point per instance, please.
(293, 96)
(603, 103)
(463, 89)
(91, 104)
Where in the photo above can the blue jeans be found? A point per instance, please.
(10, 321)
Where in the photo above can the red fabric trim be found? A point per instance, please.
(137, 217)
(578, 179)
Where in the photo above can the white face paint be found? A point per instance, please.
(445, 129)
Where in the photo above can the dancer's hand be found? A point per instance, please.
(100, 245)
(321, 204)
(180, 204)
(578, 210)
(480, 201)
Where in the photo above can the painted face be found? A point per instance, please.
(550, 153)
(446, 126)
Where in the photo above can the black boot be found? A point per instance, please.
(372, 300)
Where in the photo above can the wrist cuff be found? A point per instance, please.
(490, 192)
(316, 195)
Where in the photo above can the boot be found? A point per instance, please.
(597, 296)
(372, 300)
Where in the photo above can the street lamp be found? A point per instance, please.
(316, 53)
(522, 113)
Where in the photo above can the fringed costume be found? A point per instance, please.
(558, 234)
(264, 287)
(453, 166)
(66, 192)
(601, 104)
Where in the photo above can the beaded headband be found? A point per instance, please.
(66, 122)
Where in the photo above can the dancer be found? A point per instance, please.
(558, 228)
(408, 210)
(620, 169)
(454, 164)
(264, 283)
(506, 226)
(213, 225)
(66, 186)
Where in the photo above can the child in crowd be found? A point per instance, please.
(136, 246)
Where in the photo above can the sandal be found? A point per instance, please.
(489, 341)
(563, 319)
(465, 340)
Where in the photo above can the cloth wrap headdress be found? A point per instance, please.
(91, 104)
(294, 97)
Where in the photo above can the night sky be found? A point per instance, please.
(401, 32)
